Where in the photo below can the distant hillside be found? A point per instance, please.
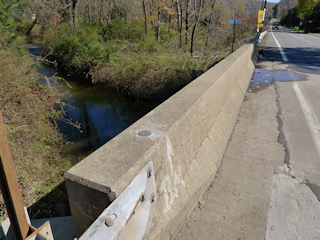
(253, 5)
(282, 8)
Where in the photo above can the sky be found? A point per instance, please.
(273, 1)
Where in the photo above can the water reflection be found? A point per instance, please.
(102, 113)
(264, 78)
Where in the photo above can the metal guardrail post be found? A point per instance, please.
(11, 193)
(10, 188)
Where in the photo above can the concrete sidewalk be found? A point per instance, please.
(253, 195)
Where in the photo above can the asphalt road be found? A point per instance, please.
(267, 186)
(298, 100)
(299, 55)
(302, 50)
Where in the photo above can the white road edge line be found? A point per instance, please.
(310, 116)
(284, 56)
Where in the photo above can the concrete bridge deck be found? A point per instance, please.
(267, 181)
(236, 205)
(257, 193)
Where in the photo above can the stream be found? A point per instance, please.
(102, 113)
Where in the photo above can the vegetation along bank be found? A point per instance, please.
(147, 49)
(30, 111)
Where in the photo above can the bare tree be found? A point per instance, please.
(102, 16)
(73, 16)
(213, 3)
(186, 20)
(197, 15)
(159, 16)
(179, 20)
(145, 15)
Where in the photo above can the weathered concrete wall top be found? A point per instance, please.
(189, 133)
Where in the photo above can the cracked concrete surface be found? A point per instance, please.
(267, 186)
(281, 138)
(294, 210)
(315, 189)
(294, 207)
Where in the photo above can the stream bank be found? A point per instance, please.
(101, 112)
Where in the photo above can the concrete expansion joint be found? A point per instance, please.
(288, 170)
(314, 188)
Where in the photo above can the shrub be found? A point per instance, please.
(167, 34)
(149, 76)
(133, 32)
(8, 33)
(81, 51)
(29, 112)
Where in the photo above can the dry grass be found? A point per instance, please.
(29, 111)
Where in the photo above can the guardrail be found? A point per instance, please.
(185, 138)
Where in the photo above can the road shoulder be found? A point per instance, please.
(236, 204)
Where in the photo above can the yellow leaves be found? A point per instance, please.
(156, 7)
(160, 6)
(168, 10)
(139, 18)
(150, 18)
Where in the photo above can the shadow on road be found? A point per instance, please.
(305, 60)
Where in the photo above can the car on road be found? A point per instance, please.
(275, 25)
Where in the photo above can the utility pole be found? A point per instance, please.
(264, 12)
(261, 15)
(234, 33)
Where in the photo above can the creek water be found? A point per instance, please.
(102, 113)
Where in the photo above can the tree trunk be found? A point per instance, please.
(194, 28)
(103, 28)
(125, 16)
(192, 37)
(32, 25)
(105, 31)
(89, 6)
(74, 13)
(197, 17)
(73, 16)
(170, 16)
(145, 15)
(210, 21)
(187, 22)
(150, 12)
(71, 20)
(158, 30)
(109, 13)
(179, 22)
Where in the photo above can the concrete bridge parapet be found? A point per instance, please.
(185, 137)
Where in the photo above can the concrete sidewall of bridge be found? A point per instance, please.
(189, 134)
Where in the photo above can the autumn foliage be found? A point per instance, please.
(103, 38)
